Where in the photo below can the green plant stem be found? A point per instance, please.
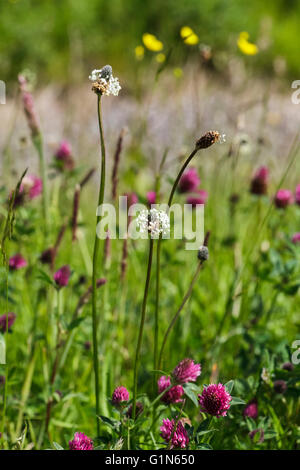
(174, 319)
(95, 268)
(140, 337)
(180, 174)
(156, 312)
(158, 252)
(38, 143)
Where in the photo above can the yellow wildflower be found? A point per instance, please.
(139, 52)
(160, 58)
(177, 72)
(189, 36)
(245, 46)
(152, 43)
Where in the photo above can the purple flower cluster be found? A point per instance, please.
(251, 409)
(81, 442)
(189, 183)
(179, 438)
(61, 277)
(171, 396)
(119, 396)
(63, 156)
(283, 198)
(215, 400)
(17, 262)
(259, 182)
(186, 371)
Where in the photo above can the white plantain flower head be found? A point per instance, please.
(153, 221)
(104, 83)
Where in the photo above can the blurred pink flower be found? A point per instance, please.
(283, 198)
(296, 238)
(189, 181)
(81, 442)
(131, 199)
(63, 156)
(179, 438)
(61, 277)
(32, 186)
(151, 197)
(6, 321)
(17, 262)
(173, 395)
(200, 197)
(215, 400)
(251, 409)
(297, 196)
(120, 395)
(259, 182)
(186, 371)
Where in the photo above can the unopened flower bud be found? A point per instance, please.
(106, 72)
(288, 366)
(203, 253)
(280, 386)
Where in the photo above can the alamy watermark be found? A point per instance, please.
(2, 350)
(296, 354)
(139, 222)
(296, 94)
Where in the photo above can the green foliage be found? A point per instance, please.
(61, 39)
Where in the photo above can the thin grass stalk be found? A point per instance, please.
(114, 176)
(95, 268)
(141, 329)
(174, 319)
(38, 143)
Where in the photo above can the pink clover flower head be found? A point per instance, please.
(283, 198)
(32, 186)
(180, 439)
(251, 409)
(296, 238)
(215, 400)
(200, 197)
(61, 277)
(171, 396)
(63, 156)
(259, 182)
(151, 197)
(186, 371)
(120, 395)
(189, 181)
(81, 442)
(17, 262)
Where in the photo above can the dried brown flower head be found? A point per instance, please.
(208, 139)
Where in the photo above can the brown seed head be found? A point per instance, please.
(100, 87)
(208, 139)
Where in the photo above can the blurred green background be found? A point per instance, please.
(61, 39)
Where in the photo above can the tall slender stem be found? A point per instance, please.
(156, 323)
(38, 143)
(180, 175)
(173, 321)
(95, 267)
(140, 337)
(158, 252)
